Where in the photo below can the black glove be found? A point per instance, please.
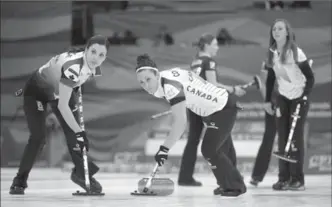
(302, 100)
(81, 141)
(161, 155)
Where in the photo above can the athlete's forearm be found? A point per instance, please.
(65, 93)
(262, 76)
(230, 89)
(175, 134)
(270, 80)
(262, 91)
(178, 126)
(211, 77)
(305, 67)
(69, 117)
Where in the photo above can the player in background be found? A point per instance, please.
(204, 66)
(289, 67)
(184, 89)
(263, 157)
(56, 83)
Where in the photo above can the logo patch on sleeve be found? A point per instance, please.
(212, 65)
(197, 70)
(71, 74)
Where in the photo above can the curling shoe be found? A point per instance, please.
(95, 186)
(18, 186)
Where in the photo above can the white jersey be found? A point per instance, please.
(68, 68)
(290, 79)
(201, 97)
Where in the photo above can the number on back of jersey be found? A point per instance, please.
(175, 73)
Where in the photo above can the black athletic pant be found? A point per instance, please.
(190, 151)
(217, 147)
(287, 108)
(35, 103)
(264, 153)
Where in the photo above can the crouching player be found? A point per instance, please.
(57, 83)
(183, 89)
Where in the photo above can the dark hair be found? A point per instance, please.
(97, 39)
(290, 44)
(145, 60)
(204, 39)
(75, 50)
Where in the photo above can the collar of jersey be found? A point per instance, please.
(204, 54)
(159, 92)
(273, 48)
(97, 69)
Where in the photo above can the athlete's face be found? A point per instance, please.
(279, 31)
(148, 80)
(95, 55)
(212, 48)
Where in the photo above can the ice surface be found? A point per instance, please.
(52, 188)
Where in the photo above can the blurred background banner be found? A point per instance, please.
(117, 111)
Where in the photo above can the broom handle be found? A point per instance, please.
(248, 84)
(161, 114)
(291, 132)
(148, 184)
(85, 156)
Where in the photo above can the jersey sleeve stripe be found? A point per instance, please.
(66, 66)
(73, 71)
(172, 82)
(177, 99)
(180, 96)
(69, 63)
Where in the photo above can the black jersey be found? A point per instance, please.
(202, 64)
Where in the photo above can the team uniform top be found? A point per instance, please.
(290, 78)
(69, 68)
(202, 64)
(201, 97)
